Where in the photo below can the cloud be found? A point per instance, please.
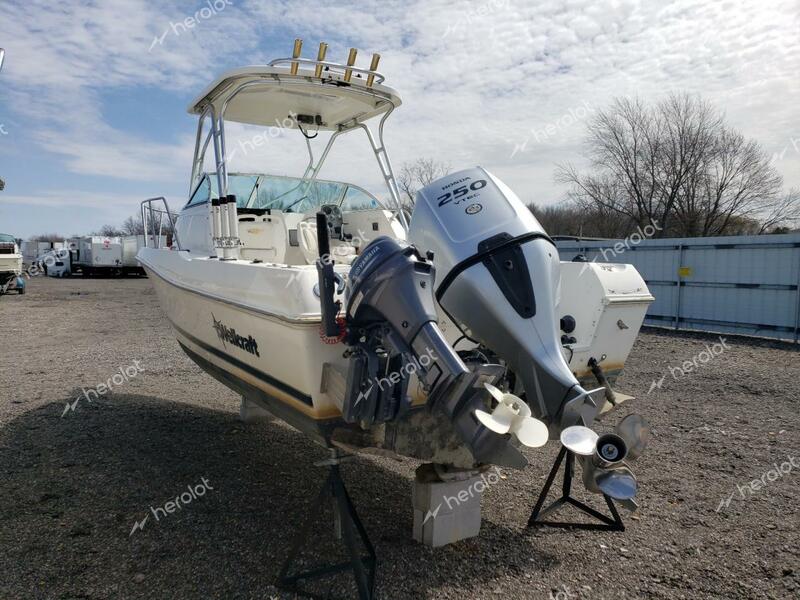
(477, 78)
(63, 58)
(72, 198)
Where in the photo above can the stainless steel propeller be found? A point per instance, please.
(635, 430)
(618, 483)
(579, 440)
(602, 457)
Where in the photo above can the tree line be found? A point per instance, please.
(676, 164)
(130, 226)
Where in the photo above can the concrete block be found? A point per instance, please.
(446, 511)
(250, 412)
(446, 528)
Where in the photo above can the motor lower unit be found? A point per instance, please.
(392, 334)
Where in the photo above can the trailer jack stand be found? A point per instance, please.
(537, 518)
(349, 525)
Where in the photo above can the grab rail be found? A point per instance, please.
(155, 226)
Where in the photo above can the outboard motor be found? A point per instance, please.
(392, 332)
(497, 279)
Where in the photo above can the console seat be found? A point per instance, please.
(341, 252)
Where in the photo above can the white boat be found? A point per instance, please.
(10, 264)
(318, 301)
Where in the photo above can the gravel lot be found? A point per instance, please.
(72, 487)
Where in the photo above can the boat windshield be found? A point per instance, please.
(287, 194)
(7, 239)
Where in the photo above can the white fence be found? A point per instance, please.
(748, 285)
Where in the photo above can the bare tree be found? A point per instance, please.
(783, 215)
(574, 220)
(47, 237)
(109, 231)
(677, 164)
(416, 175)
(133, 225)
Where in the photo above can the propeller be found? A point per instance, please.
(618, 483)
(635, 430)
(605, 471)
(602, 456)
(512, 415)
(579, 440)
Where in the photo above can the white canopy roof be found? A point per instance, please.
(271, 94)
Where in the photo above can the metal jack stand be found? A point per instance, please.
(538, 515)
(347, 524)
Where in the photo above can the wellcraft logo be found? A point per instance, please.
(229, 335)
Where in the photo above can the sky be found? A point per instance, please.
(93, 95)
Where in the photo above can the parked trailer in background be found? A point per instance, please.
(30, 250)
(130, 248)
(98, 255)
(72, 246)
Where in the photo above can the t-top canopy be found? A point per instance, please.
(269, 96)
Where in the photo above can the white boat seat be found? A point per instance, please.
(307, 234)
(343, 253)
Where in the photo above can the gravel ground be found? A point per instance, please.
(72, 487)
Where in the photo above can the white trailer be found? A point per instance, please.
(130, 248)
(98, 255)
(30, 250)
(72, 245)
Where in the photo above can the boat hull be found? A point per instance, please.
(267, 358)
(10, 265)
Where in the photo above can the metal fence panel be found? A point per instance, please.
(737, 284)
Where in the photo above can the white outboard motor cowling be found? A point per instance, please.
(497, 275)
